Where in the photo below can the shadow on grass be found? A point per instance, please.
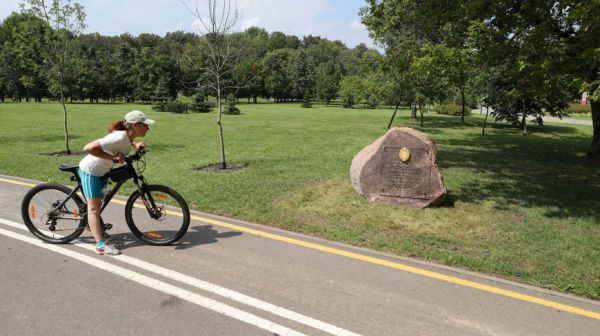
(60, 138)
(439, 124)
(547, 171)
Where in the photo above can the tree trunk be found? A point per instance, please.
(223, 164)
(487, 111)
(64, 105)
(524, 123)
(462, 112)
(421, 118)
(393, 116)
(594, 151)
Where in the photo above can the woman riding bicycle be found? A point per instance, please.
(102, 155)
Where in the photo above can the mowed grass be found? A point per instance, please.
(524, 207)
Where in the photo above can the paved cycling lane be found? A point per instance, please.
(310, 286)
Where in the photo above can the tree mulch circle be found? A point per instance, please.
(216, 167)
(64, 153)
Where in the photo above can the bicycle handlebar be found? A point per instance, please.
(137, 156)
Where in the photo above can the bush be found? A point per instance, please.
(199, 104)
(578, 108)
(174, 106)
(451, 109)
(306, 102)
(231, 108)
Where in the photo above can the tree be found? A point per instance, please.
(220, 53)
(351, 90)
(199, 104)
(66, 20)
(276, 72)
(430, 87)
(327, 81)
(302, 76)
(398, 85)
(21, 56)
(540, 48)
(455, 65)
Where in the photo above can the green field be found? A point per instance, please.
(523, 207)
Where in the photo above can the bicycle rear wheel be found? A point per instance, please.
(51, 215)
(151, 219)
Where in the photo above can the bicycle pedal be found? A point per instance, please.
(107, 226)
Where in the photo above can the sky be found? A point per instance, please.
(332, 19)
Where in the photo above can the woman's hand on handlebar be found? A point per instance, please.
(138, 145)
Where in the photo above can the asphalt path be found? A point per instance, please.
(227, 277)
(550, 119)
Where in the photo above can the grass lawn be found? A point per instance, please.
(581, 116)
(524, 207)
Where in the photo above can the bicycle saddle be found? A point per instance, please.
(69, 167)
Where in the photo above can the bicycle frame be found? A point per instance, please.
(137, 178)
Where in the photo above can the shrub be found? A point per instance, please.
(306, 102)
(199, 104)
(578, 108)
(451, 109)
(231, 108)
(159, 106)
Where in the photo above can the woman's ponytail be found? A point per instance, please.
(117, 126)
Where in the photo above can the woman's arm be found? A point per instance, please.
(94, 148)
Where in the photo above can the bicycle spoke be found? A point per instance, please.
(150, 219)
(49, 216)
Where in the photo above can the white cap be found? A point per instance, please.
(136, 116)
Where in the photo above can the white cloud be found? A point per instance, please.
(357, 25)
(253, 21)
(330, 19)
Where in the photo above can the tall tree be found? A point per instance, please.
(220, 53)
(66, 18)
(21, 56)
(541, 48)
(276, 65)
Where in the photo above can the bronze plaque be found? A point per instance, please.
(409, 179)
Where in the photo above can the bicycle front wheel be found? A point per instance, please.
(158, 216)
(51, 215)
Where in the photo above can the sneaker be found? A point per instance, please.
(105, 247)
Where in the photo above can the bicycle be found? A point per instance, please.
(56, 214)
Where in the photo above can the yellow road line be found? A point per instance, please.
(17, 182)
(386, 263)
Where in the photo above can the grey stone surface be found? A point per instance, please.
(379, 174)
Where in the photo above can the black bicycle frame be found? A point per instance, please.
(148, 201)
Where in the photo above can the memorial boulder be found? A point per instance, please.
(399, 168)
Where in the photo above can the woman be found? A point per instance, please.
(102, 155)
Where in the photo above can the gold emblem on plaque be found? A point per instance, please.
(404, 154)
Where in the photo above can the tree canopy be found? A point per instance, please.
(535, 55)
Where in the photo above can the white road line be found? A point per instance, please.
(161, 286)
(215, 289)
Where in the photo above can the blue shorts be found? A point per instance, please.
(92, 185)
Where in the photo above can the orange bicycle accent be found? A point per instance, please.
(32, 212)
(154, 235)
(161, 196)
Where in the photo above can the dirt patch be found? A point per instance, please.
(216, 167)
(64, 153)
